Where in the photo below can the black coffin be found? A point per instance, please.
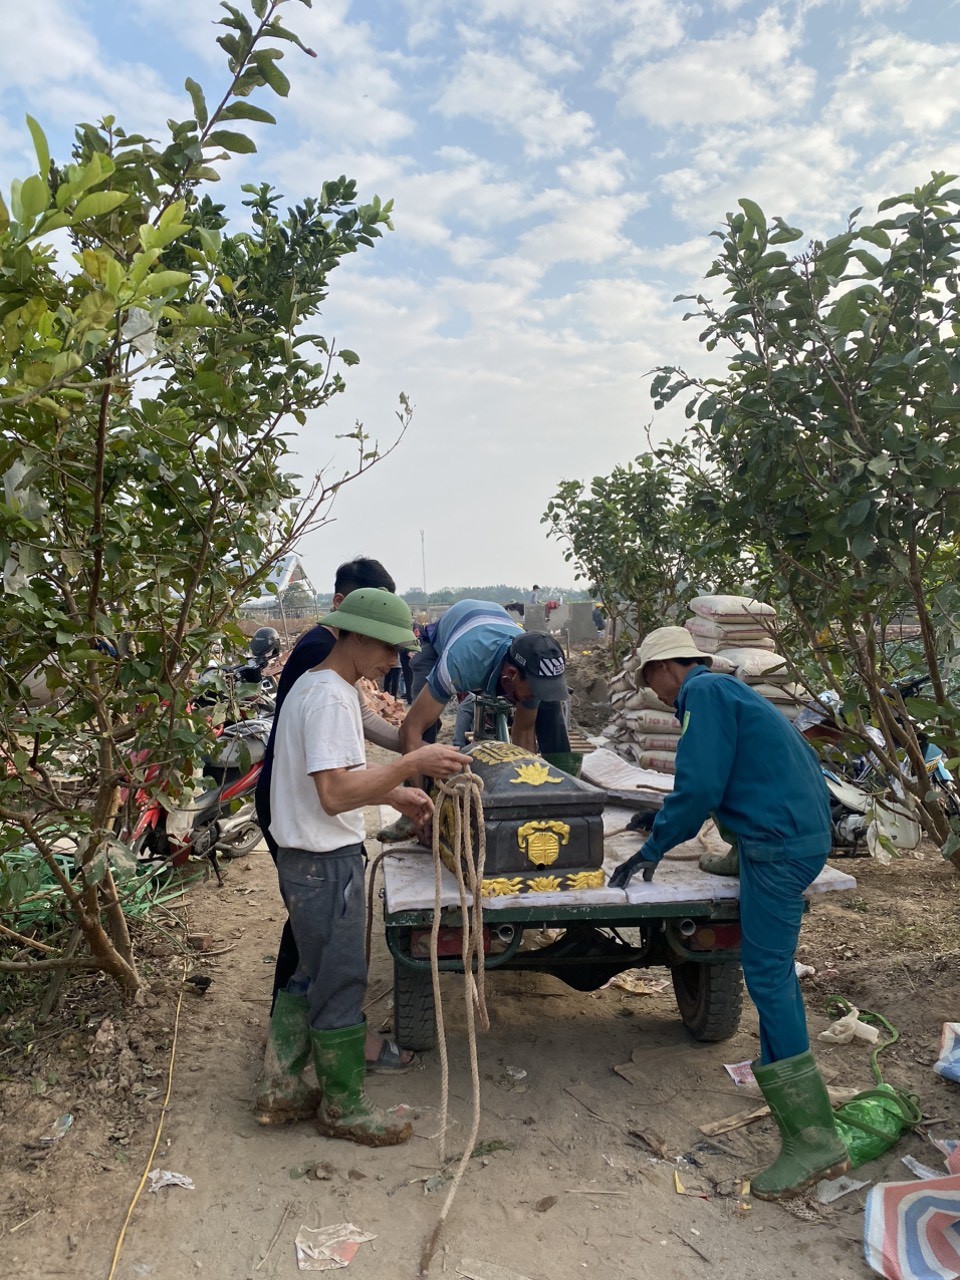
(544, 829)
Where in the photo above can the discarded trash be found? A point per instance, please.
(948, 1064)
(515, 1073)
(740, 1073)
(872, 1122)
(56, 1133)
(837, 1188)
(948, 1147)
(911, 1230)
(637, 984)
(159, 1178)
(920, 1170)
(849, 1027)
(327, 1248)
(697, 1192)
(803, 970)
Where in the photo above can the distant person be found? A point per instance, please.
(534, 595)
(599, 620)
(398, 680)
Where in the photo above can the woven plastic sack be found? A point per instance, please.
(657, 721)
(734, 607)
(662, 761)
(948, 1064)
(754, 663)
(655, 742)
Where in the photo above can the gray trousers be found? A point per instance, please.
(323, 893)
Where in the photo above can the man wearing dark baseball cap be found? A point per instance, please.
(476, 647)
(539, 659)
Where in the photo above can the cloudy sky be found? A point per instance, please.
(557, 167)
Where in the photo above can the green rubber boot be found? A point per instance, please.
(283, 1095)
(811, 1148)
(721, 864)
(345, 1111)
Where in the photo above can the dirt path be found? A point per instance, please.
(568, 1193)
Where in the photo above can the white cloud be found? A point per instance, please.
(747, 75)
(546, 58)
(869, 7)
(57, 63)
(897, 83)
(582, 229)
(501, 91)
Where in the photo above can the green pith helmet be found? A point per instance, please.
(376, 613)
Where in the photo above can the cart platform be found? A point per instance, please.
(678, 888)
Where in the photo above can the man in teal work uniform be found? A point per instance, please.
(740, 759)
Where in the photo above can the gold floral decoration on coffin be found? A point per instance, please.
(501, 887)
(586, 880)
(544, 884)
(534, 775)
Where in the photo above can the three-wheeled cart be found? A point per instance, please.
(684, 919)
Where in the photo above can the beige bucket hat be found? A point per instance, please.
(666, 643)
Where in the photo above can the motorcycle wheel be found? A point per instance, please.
(243, 840)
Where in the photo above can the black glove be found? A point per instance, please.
(627, 870)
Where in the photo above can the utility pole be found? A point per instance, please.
(423, 567)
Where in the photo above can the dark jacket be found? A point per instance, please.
(741, 760)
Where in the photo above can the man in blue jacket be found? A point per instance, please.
(741, 760)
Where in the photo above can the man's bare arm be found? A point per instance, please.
(425, 710)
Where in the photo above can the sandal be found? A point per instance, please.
(391, 1059)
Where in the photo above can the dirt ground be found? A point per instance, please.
(563, 1188)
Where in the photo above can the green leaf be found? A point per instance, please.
(754, 213)
(268, 68)
(349, 357)
(246, 111)
(862, 545)
(198, 100)
(40, 146)
(34, 197)
(97, 203)
(230, 141)
(159, 281)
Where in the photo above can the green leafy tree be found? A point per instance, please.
(631, 534)
(149, 377)
(832, 441)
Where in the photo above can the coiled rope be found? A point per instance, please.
(463, 792)
(908, 1104)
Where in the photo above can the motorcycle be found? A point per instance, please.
(863, 821)
(247, 685)
(216, 814)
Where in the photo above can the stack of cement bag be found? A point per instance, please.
(732, 622)
(741, 632)
(644, 730)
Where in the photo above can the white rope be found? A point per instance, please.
(463, 791)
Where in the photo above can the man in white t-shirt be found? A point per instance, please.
(319, 787)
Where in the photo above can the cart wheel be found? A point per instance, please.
(413, 1012)
(709, 997)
